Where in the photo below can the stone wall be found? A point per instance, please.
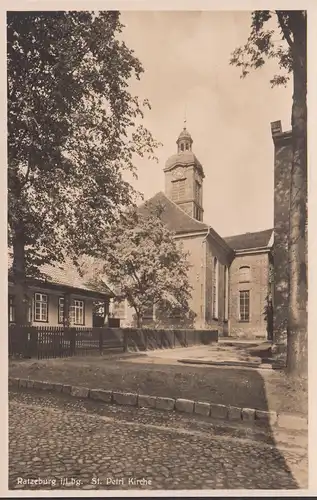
(282, 174)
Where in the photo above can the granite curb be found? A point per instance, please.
(188, 406)
(238, 364)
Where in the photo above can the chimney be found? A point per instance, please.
(276, 127)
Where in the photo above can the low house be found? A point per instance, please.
(60, 287)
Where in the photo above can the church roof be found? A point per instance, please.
(249, 240)
(173, 216)
(184, 158)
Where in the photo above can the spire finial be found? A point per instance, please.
(185, 119)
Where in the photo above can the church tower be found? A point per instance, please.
(184, 177)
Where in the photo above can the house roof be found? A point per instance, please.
(65, 275)
(249, 240)
(173, 216)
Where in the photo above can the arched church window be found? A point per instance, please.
(215, 281)
(182, 147)
(226, 315)
(187, 146)
(244, 274)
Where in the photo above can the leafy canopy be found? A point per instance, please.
(264, 43)
(145, 265)
(72, 130)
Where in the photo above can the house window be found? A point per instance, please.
(244, 274)
(178, 190)
(245, 305)
(61, 303)
(76, 312)
(215, 289)
(11, 309)
(226, 271)
(41, 307)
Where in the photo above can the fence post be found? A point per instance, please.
(125, 341)
(33, 342)
(146, 339)
(72, 332)
(101, 341)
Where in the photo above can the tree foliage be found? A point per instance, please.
(72, 131)
(71, 127)
(144, 264)
(264, 43)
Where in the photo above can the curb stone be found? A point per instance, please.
(218, 411)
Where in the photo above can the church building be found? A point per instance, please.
(230, 276)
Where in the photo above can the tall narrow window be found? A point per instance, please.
(215, 289)
(76, 311)
(226, 315)
(198, 192)
(245, 305)
(61, 303)
(41, 307)
(11, 309)
(178, 190)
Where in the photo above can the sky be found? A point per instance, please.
(185, 55)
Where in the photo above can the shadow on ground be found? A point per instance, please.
(243, 388)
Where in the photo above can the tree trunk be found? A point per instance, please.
(19, 277)
(297, 348)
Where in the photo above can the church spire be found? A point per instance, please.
(184, 141)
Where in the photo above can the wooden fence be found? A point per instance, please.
(58, 342)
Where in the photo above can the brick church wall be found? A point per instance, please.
(213, 250)
(195, 246)
(258, 287)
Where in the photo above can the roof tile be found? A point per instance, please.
(173, 216)
(249, 240)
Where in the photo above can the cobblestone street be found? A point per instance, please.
(64, 443)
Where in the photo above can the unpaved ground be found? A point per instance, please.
(159, 373)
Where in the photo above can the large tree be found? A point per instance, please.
(291, 54)
(144, 264)
(72, 131)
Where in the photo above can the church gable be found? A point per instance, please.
(174, 217)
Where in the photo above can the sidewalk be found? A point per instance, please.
(225, 353)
